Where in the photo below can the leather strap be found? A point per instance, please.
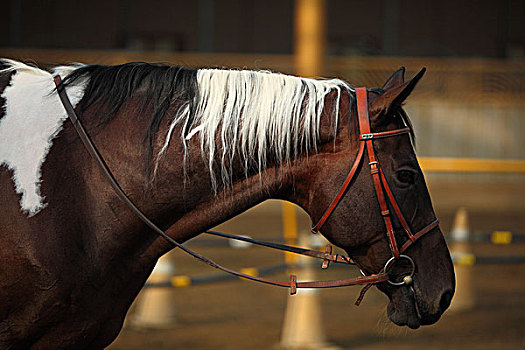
(420, 233)
(364, 127)
(383, 134)
(342, 190)
(292, 285)
(328, 256)
(396, 207)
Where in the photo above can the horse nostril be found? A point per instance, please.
(446, 298)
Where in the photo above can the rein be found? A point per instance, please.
(327, 256)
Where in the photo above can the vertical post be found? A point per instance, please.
(310, 37)
(310, 42)
(303, 328)
(289, 215)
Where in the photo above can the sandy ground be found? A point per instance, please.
(242, 314)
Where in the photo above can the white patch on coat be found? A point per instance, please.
(257, 113)
(33, 117)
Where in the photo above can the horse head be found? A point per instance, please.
(357, 223)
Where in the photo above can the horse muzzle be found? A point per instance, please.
(407, 306)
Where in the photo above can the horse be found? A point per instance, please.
(192, 148)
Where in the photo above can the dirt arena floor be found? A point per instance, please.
(245, 315)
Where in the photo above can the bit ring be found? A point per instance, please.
(405, 281)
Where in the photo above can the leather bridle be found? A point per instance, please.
(366, 137)
(381, 186)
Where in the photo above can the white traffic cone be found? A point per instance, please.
(464, 297)
(303, 321)
(155, 306)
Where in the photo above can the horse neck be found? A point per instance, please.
(195, 206)
(180, 195)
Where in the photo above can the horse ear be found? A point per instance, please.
(397, 78)
(394, 96)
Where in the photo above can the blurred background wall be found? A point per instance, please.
(470, 103)
(479, 28)
(468, 112)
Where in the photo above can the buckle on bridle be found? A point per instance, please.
(407, 279)
(366, 136)
(374, 167)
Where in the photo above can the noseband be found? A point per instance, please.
(327, 257)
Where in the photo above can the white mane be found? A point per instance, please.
(254, 113)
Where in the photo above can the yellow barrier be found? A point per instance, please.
(465, 259)
(501, 237)
(180, 281)
(472, 165)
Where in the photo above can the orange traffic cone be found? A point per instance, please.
(155, 307)
(303, 327)
(464, 298)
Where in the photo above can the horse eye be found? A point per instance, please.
(406, 176)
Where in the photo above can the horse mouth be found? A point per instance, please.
(404, 313)
(406, 308)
